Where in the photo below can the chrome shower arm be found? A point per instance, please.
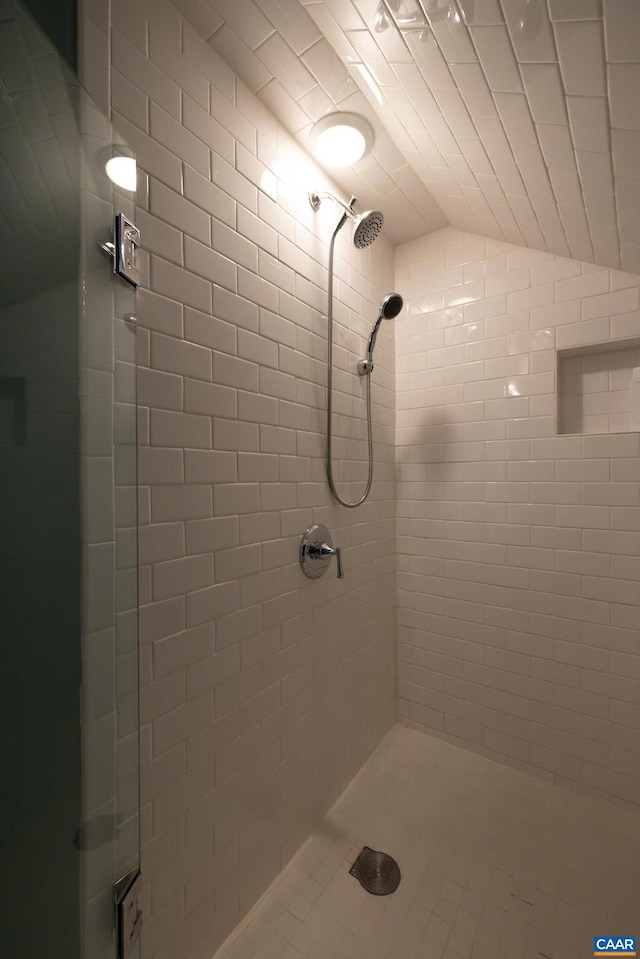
(315, 200)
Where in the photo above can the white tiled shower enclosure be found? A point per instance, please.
(515, 548)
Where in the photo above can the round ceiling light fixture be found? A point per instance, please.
(341, 139)
(121, 170)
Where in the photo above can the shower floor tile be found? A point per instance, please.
(495, 865)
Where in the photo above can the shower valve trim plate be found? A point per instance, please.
(316, 550)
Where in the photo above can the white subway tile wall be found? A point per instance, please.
(518, 579)
(262, 692)
(520, 119)
(522, 125)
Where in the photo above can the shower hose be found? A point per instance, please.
(332, 485)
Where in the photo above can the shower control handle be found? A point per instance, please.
(316, 550)
(326, 550)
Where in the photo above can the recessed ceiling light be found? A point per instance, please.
(122, 171)
(341, 139)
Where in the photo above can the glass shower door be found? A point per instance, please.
(108, 507)
(69, 774)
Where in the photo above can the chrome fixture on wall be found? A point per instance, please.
(389, 309)
(367, 227)
(316, 550)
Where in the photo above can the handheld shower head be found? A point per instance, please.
(391, 306)
(366, 226)
(389, 309)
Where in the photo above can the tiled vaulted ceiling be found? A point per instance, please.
(517, 119)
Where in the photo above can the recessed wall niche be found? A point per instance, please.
(594, 387)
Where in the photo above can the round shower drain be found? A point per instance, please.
(377, 872)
